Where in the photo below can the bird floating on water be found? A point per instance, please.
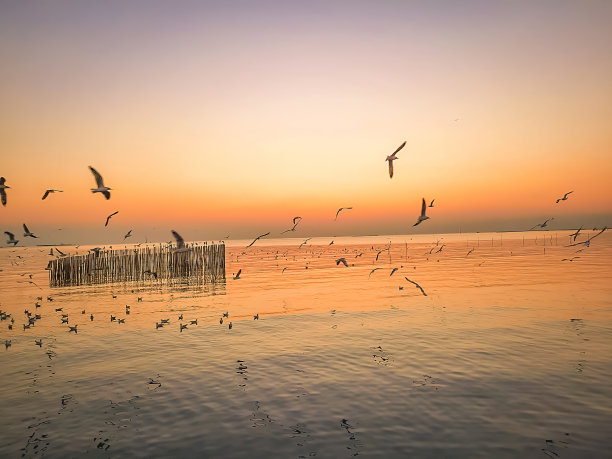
(48, 192)
(3, 189)
(100, 184)
(422, 217)
(392, 157)
(27, 232)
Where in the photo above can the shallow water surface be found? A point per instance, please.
(509, 354)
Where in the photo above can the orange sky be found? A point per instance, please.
(233, 120)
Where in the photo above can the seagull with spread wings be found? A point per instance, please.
(340, 210)
(564, 198)
(392, 157)
(180, 242)
(11, 239)
(48, 192)
(129, 234)
(27, 232)
(343, 261)
(256, 239)
(587, 243)
(417, 286)
(100, 184)
(109, 217)
(422, 217)
(296, 222)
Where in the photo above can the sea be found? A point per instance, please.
(480, 345)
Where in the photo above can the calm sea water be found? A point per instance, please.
(509, 354)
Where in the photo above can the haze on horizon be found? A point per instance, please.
(230, 118)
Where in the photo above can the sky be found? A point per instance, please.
(229, 118)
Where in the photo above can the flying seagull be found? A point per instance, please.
(587, 243)
(303, 243)
(237, 276)
(47, 192)
(109, 217)
(60, 252)
(422, 217)
(129, 234)
(180, 242)
(417, 286)
(3, 187)
(296, 221)
(564, 198)
(371, 272)
(340, 210)
(431, 203)
(12, 239)
(256, 239)
(343, 261)
(27, 232)
(542, 225)
(100, 183)
(392, 157)
(576, 234)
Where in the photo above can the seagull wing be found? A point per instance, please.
(567, 194)
(390, 168)
(46, 194)
(399, 148)
(97, 176)
(3, 196)
(431, 203)
(25, 228)
(296, 218)
(338, 212)
(180, 242)
(59, 251)
(10, 235)
(106, 194)
(423, 208)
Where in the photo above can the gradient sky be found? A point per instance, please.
(231, 117)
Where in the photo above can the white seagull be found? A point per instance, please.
(100, 183)
(47, 192)
(3, 187)
(392, 157)
(27, 232)
(12, 239)
(422, 217)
